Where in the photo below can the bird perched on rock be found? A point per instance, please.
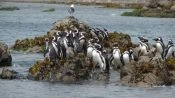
(71, 9)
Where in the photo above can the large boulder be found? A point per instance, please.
(7, 73)
(153, 72)
(173, 8)
(5, 56)
(79, 68)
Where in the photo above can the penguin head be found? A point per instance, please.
(72, 5)
(142, 39)
(46, 40)
(170, 42)
(96, 39)
(158, 39)
(58, 33)
(53, 38)
(130, 51)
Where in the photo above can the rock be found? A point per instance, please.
(79, 67)
(152, 3)
(5, 56)
(8, 74)
(173, 8)
(35, 49)
(146, 73)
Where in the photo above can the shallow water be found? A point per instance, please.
(30, 21)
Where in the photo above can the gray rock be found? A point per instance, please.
(173, 8)
(8, 74)
(5, 56)
(35, 49)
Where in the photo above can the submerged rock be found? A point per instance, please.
(5, 56)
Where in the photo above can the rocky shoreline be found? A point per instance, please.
(154, 9)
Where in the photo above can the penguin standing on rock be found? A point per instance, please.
(159, 45)
(115, 58)
(127, 57)
(143, 45)
(169, 51)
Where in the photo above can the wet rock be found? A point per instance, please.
(146, 74)
(35, 49)
(173, 8)
(8, 74)
(32, 45)
(152, 3)
(5, 56)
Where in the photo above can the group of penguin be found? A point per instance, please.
(66, 44)
(144, 49)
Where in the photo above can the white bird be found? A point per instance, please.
(71, 9)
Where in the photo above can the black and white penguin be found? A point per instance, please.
(98, 59)
(93, 33)
(169, 50)
(144, 48)
(159, 45)
(71, 9)
(52, 51)
(115, 59)
(127, 57)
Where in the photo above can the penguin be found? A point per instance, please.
(159, 45)
(52, 50)
(169, 51)
(98, 59)
(127, 56)
(69, 48)
(144, 48)
(90, 48)
(93, 33)
(115, 59)
(82, 42)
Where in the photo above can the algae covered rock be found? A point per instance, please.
(5, 56)
(79, 68)
(146, 74)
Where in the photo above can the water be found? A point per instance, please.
(30, 21)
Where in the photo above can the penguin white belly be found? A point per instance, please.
(170, 52)
(69, 52)
(95, 57)
(101, 61)
(89, 52)
(144, 50)
(159, 48)
(126, 58)
(117, 61)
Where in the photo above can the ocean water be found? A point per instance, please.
(30, 21)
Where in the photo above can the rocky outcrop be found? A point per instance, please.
(149, 72)
(80, 67)
(37, 44)
(5, 56)
(7, 74)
